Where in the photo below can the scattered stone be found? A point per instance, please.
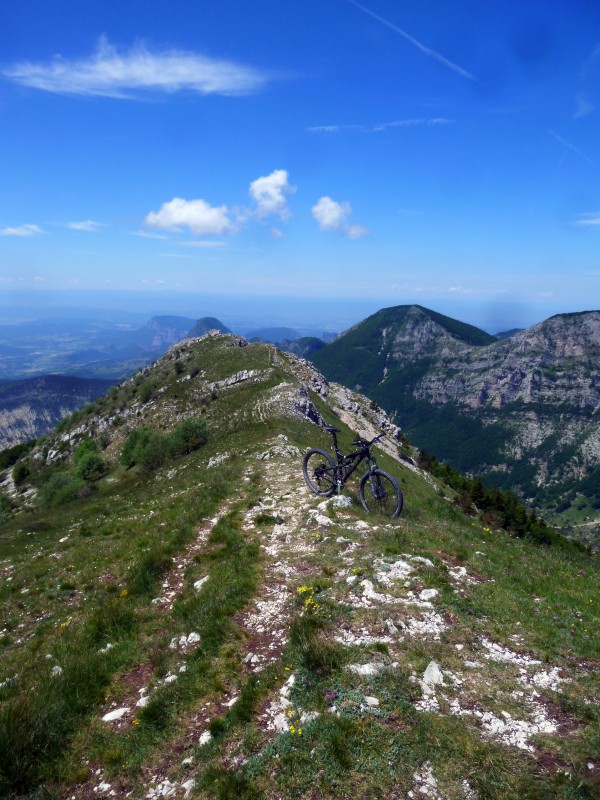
(116, 714)
(205, 738)
(187, 786)
(341, 501)
(163, 789)
(372, 668)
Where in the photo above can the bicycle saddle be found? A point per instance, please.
(331, 429)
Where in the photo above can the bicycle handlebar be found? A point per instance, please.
(363, 443)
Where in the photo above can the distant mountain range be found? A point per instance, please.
(273, 335)
(521, 411)
(43, 347)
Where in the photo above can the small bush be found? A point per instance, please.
(146, 390)
(5, 506)
(13, 454)
(188, 435)
(59, 488)
(134, 442)
(20, 473)
(90, 467)
(150, 450)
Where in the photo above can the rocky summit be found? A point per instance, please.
(521, 411)
(185, 619)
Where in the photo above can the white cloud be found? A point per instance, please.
(130, 74)
(332, 216)
(88, 225)
(22, 230)
(588, 219)
(196, 215)
(270, 194)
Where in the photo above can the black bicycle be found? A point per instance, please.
(377, 490)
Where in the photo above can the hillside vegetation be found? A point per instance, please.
(201, 626)
(520, 412)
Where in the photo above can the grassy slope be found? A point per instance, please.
(83, 576)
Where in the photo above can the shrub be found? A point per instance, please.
(90, 467)
(134, 441)
(5, 506)
(150, 450)
(20, 473)
(58, 488)
(146, 448)
(153, 453)
(146, 390)
(11, 455)
(188, 435)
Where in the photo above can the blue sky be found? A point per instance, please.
(440, 153)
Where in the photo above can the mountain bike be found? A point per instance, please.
(377, 490)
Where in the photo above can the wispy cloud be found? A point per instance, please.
(196, 215)
(425, 50)
(380, 127)
(148, 235)
(589, 220)
(571, 147)
(333, 216)
(88, 225)
(201, 243)
(22, 230)
(134, 73)
(584, 107)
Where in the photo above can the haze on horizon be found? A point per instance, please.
(342, 156)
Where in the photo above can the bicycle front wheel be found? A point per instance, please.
(319, 472)
(380, 493)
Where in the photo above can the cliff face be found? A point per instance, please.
(522, 409)
(32, 407)
(554, 362)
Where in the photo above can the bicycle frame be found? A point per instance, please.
(348, 463)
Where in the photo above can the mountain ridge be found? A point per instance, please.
(209, 626)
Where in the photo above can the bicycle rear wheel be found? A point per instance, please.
(380, 493)
(319, 472)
